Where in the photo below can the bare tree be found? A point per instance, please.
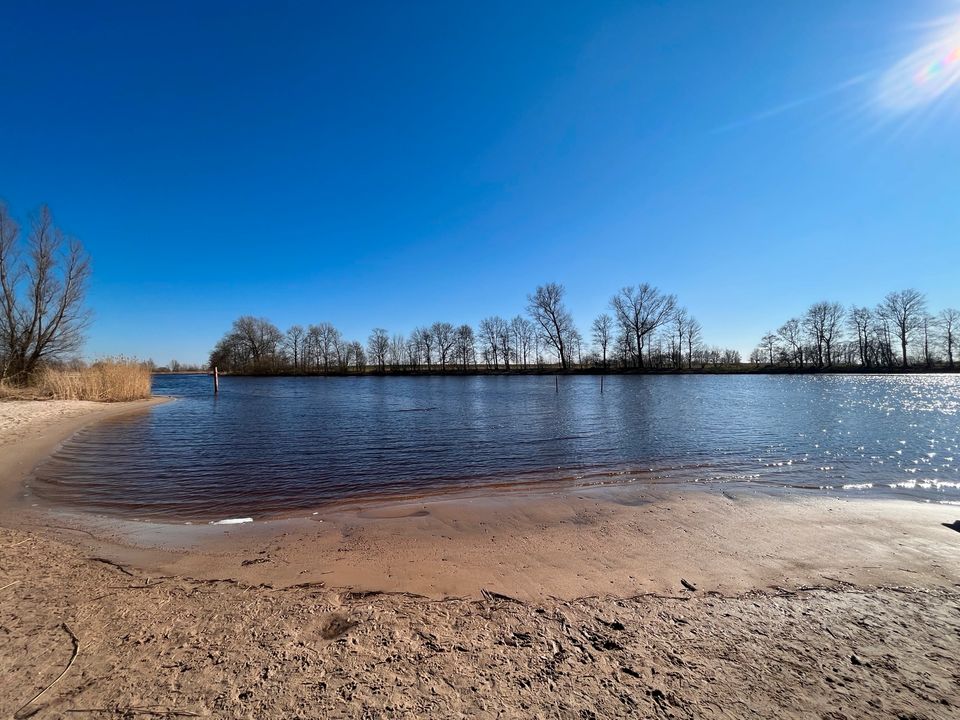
(41, 295)
(574, 345)
(640, 311)
(823, 322)
(354, 355)
(378, 344)
(332, 346)
(505, 341)
(860, 319)
(949, 319)
(444, 338)
(905, 310)
(731, 356)
(464, 346)
(414, 358)
(398, 347)
(427, 344)
(768, 344)
(553, 320)
(881, 339)
(832, 328)
(521, 332)
(492, 331)
(791, 332)
(312, 344)
(681, 326)
(928, 325)
(292, 343)
(258, 337)
(602, 330)
(693, 339)
(252, 344)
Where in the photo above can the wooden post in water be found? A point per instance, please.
(601, 384)
(556, 381)
(216, 380)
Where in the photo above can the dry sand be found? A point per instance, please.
(568, 605)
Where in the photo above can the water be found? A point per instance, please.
(270, 446)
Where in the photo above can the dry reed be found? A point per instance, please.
(113, 380)
(16, 392)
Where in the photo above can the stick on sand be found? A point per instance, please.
(76, 651)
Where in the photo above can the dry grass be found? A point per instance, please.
(16, 392)
(113, 380)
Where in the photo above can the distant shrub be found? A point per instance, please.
(111, 380)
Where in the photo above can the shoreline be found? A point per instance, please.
(617, 540)
(604, 601)
(32, 430)
(561, 545)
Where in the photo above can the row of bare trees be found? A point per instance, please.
(648, 329)
(899, 331)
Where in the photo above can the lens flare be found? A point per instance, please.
(925, 74)
(929, 73)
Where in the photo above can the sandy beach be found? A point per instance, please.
(603, 602)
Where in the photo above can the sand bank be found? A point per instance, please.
(569, 604)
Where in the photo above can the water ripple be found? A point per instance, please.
(279, 445)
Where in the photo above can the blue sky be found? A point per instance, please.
(399, 163)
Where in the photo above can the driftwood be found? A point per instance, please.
(111, 563)
(658, 596)
(73, 657)
(137, 711)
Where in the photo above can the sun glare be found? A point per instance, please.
(925, 75)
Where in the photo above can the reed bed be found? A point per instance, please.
(113, 380)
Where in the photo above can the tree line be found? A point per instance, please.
(645, 329)
(899, 331)
(44, 276)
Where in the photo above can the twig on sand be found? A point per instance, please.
(137, 711)
(491, 595)
(136, 587)
(837, 580)
(688, 585)
(9, 585)
(73, 657)
(111, 563)
(64, 527)
(18, 544)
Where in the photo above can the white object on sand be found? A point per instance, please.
(232, 521)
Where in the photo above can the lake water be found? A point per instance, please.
(268, 446)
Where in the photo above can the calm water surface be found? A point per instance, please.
(275, 445)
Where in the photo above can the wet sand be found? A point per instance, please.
(517, 604)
